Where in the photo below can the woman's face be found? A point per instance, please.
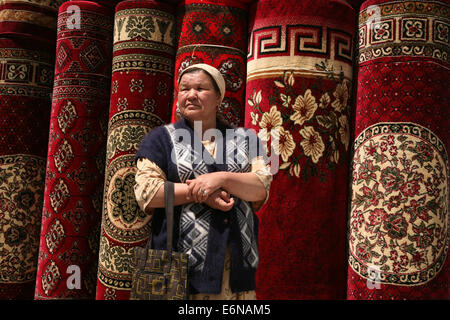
(197, 97)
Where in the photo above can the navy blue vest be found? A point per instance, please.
(223, 228)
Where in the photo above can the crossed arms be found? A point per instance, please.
(219, 186)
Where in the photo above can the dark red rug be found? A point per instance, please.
(356, 4)
(141, 99)
(109, 3)
(26, 78)
(299, 80)
(215, 32)
(398, 223)
(68, 255)
(34, 19)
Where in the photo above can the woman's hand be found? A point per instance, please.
(200, 188)
(221, 200)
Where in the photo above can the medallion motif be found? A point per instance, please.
(399, 208)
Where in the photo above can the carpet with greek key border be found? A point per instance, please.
(299, 85)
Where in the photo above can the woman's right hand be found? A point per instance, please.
(221, 200)
(201, 187)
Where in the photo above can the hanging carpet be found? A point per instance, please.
(26, 78)
(34, 19)
(299, 79)
(215, 32)
(67, 265)
(141, 99)
(398, 221)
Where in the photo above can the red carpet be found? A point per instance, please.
(141, 99)
(76, 152)
(356, 4)
(215, 32)
(108, 3)
(398, 228)
(32, 19)
(299, 82)
(26, 75)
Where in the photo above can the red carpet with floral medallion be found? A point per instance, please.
(68, 254)
(398, 222)
(30, 18)
(299, 80)
(141, 99)
(215, 32)
(26, 77)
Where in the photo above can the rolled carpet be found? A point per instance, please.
(67, 265)
(398, 221)
(26, 77)
(141, 98)
(299, 78)
(108, 3)
(215, 32)
(356, 4)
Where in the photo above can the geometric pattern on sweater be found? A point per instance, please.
(196, 217)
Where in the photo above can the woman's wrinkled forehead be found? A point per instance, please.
(217, 79)
(192, 76)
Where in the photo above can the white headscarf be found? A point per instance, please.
(213, 72)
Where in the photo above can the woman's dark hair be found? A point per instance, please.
(195, 69)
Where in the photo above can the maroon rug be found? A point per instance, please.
(26, 78)
(67, 265)
(215, 32)
(34, 19)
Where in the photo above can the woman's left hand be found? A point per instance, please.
(201, 187)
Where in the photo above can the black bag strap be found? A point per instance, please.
(169, 201)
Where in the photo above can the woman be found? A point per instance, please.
(217, 179)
